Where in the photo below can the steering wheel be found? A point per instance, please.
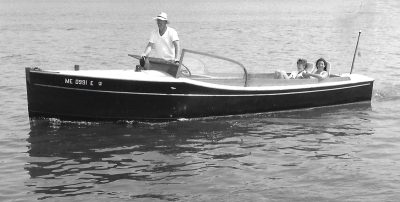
(185, 72)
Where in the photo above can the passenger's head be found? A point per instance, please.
(321, 63)
(301, 64)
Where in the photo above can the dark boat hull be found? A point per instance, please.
(66, 97)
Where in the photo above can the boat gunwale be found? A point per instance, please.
(169, 79)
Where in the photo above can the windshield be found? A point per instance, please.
(212, 69)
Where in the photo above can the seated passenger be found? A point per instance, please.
(299, 74)
(322, 70)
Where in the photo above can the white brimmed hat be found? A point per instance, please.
(162, 16)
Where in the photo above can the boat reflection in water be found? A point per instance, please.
(182, 159)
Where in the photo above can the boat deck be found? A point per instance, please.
(253, 80)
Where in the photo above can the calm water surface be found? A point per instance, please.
(340, 153)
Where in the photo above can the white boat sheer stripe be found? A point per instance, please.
(207, 95)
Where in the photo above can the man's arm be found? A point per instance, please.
(147, 50)
(177, 49)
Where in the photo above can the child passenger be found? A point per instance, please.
(299, 74)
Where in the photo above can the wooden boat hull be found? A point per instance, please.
(79, 97)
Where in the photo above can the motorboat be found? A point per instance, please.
(201, 85)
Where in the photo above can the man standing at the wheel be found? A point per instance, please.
(164, 41)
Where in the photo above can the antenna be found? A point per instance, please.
(355, 52)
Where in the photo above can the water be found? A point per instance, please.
(341, 153)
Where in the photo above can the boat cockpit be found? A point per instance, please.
(210, 68)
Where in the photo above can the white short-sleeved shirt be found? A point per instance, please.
(163, 46)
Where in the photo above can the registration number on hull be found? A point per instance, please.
(82, 82)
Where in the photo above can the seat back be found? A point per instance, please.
(309, 67)
(328, 68)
